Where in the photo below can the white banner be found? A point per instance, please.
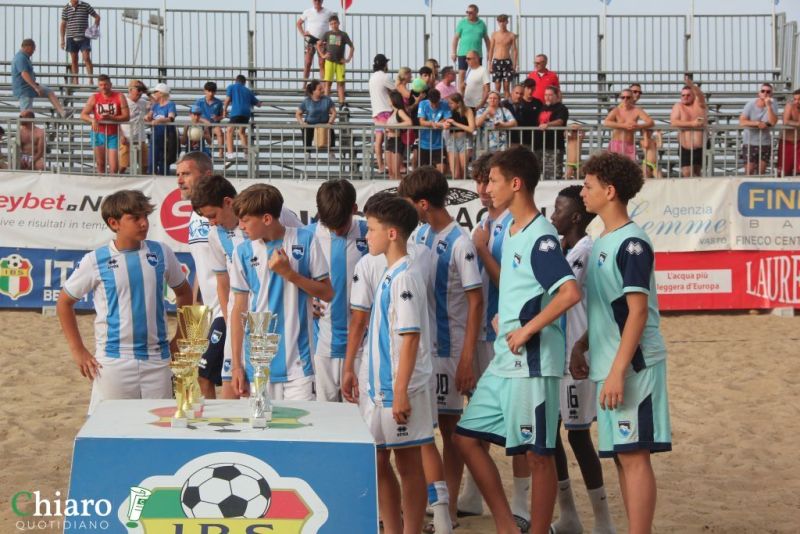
(62, 212)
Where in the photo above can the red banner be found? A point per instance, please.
(725, 280)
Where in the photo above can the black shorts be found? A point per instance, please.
(239, 119)
(691, 157)
(395, 145)
(311, 44)
(211, 362)
(431, 156)
(502, 69)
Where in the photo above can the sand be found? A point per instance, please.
(733, 384)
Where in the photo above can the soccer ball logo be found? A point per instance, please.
(225, 490)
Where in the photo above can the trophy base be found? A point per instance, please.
(177, 422)
(261, 422)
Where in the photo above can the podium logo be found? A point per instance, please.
(15, 276)
(223, 493)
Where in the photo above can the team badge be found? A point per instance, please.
(361, 245)
(547, 245)
(517, 261)
(526, 432)
(634, 248)
(152, 258)
(624, 428)
(601, 259)
(198, 229)
(216, 335)
(386, 281)
(15, 276)
(441, 247)
(226, 366)
(497, 229)
(298, 251)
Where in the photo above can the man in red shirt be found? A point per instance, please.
(544, 78)
(104, 110)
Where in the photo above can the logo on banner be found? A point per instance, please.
(224, 491)
(15, 276)
(175, 215)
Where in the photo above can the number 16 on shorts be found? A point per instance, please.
(577, 403)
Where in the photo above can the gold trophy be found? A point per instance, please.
(182, 370)
(263, 345)
(194, 322)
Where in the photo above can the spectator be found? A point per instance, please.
(544, 78)
(195, 136)
(241, 100)
(164, 149)
(380, 83)
(789, 147)
(470, 31)
(74, 23)
(624, 121)
(462, 125)
(211, 112)
(446, 85)
(312, 25)
(408, 137)
(758, 118)
(434, 66)
(331, 47)
(133, 134)
(396, 149)
(548, 145)
(433, 115)
(476, 86)
(316, 108)
(503, 56)
(493, 118)
(650, 141)
(690, 116)
(31, 143)
(105, 110)
(403, 78)
(23, 80)
(526, 113)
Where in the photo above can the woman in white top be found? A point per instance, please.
(493, 118)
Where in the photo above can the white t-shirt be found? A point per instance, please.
(380, 83)
(134, 130)
(316, 22)
(131, 321)
(575, 321)
(475, 80)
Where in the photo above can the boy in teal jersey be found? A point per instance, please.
(627, 351)
(517, 399)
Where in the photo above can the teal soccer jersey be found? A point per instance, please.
(531, 271)
(622, 262)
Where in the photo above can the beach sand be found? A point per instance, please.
(733, 385)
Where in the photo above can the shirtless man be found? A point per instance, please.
(789, 147)
(625, 120)
(503, 56)
(31, 144)
(690, 116)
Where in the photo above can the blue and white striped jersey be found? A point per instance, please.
(456, 272)
(399, 308)
(341, 253)
(491, 293)
(292, 305)
(128, 290)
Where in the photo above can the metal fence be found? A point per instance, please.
(268, 150)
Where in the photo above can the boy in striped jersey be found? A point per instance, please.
(343, 241)
(399, 368)
(458, 298)
(131, 359)
(279, 269)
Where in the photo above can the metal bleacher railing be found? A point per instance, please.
(595, 57)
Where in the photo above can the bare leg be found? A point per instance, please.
(243, 138)
(379, 152)
(87, 60)
(636, 473)
(56, 103)
(543, 491)
(207, 388)
(113, 161)
(412, 478)
(340, 90)
(73, 57)
(307, 60)
(227, 391)
(229, 139)
(453, 463)
(388, 495)
(100, 159)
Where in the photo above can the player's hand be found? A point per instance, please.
(279, 263)
(350, 387)
(480, 236)
(465, 376)
(318, 308)
(543, 126)
(239, 382)
(631, 126)
(87, 363)
(611, 396)
(516, 339)
(401, 407)
(578, 367)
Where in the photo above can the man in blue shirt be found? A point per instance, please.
(241, 101)
(432, 114)
(23, 80)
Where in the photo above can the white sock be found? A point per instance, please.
(568, 519)
(469, 499)
(520, 498)
(602, 518)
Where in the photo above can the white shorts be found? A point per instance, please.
(578, 403)
(328, 376)
(484, 352)
(124, 378)
(390, 435)
(299, 389)
(362, 373)
(447, 398)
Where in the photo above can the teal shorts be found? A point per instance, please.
(642, 423)
(520, 414)
(101, 140)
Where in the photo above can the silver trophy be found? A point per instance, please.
(263, 345)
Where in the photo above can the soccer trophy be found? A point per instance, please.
(194, 322)
(182, 370)
(263, 345)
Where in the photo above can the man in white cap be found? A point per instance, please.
(165, 143)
